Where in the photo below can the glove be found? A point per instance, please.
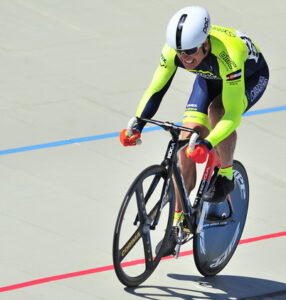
(200, 153)
(129, 140)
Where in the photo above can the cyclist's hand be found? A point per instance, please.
(129, 140)
(200, 153)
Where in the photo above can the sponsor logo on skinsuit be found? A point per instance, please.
(233, 76)
(205, 74)
(192, 107)
(226, 31)
(163, 61)
(258, 89)
(229, 62)
(251, 48)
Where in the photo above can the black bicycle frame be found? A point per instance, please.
(171, 163)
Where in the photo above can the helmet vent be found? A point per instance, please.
(179, 31)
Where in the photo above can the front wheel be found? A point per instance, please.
(216, 242)
(149, 200)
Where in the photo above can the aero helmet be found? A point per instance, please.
(188, 28)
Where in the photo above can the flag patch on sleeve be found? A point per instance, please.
(233, 76)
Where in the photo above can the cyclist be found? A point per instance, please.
(232, 75)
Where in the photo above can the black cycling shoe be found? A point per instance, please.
(219, 189)
(169, 248)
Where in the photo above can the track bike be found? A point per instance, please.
(146, 214)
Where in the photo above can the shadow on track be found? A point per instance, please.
(219, 287)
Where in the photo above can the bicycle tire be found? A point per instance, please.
(146, 187)
(214, 245)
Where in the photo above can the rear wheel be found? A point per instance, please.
(150, 198)
(215, 244)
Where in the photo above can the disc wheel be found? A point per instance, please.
(215, 244)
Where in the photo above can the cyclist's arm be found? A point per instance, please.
(159, 85)
(233, 98)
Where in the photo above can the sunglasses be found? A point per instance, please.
(189, 51)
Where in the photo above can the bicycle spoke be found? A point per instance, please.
(129, 244)
(149, 193)
(147, 248)
(138, 234)
(163, 200)
(141, 203)
(152, 187)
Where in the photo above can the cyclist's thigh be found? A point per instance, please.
(215, 110)
(202, 129)
(196, 112)
(255, 86)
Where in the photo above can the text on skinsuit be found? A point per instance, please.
(229, 62)
(252, 51)
(258, 88)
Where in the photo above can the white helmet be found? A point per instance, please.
(188, 28)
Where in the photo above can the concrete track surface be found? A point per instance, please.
(72, 73)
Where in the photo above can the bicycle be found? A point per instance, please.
(147, 212)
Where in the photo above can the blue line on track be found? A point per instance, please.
(114, 134)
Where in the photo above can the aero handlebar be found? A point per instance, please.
(166, 126)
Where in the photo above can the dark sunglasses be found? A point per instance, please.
(188, 51)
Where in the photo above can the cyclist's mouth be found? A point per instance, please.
(189, 63)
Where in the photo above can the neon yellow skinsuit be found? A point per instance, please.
(232, 60)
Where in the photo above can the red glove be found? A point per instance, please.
(200, 153)
(129, 140)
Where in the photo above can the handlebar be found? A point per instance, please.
(168, 126)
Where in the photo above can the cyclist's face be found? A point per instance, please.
(192, 61)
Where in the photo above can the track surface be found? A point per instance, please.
(72, 73)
